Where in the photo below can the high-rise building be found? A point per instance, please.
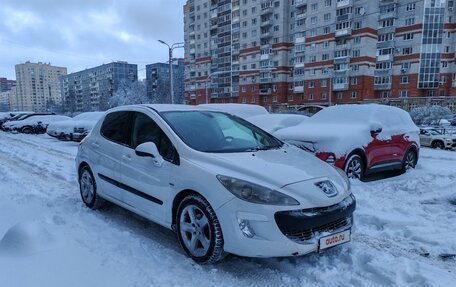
(6, 85)
(91, 89)
(38, 86)
(297, 52)
(158, 82)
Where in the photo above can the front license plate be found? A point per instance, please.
(334, 239)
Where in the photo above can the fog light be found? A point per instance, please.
(331, 160)
(244, 225)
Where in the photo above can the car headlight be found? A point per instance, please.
(255, 193)
(344, 175)
(449, 140)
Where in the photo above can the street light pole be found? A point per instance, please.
(170, 50)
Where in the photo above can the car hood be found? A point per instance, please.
(279, 167)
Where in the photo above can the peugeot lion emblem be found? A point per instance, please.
(327, 187)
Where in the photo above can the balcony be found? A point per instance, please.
(385, 44)
(266, 80)
(343, 33)
(340, 87)
(342, 47)
(214, 14)
(383, 73)
(454, 84)
(300, 3)
(264, 57)
(343, 3)
(265, 92)
(298, 89)
(385, 86)
(266, 35)
(300, 40)
(385, 58)
(192, 96)
(267, 10)
(388, 15)
(299, 65)
(266, 23)
(342, 60)
(301, 16)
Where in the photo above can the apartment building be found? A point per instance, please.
(37, 86)
(158, 82)
(300, 52)
(91, 89)
(6, 85)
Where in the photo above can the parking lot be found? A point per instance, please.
(405, 232)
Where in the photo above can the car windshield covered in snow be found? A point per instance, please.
(217, 132)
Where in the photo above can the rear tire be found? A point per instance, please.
(410, 160)
(199, 231)
(88, 189)
(355, 167)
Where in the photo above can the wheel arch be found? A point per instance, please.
(177, 200)
(437, 140)
(82, 165)
(360, 152)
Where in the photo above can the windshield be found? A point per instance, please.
(434, 132)
(217, 132)
(21, 117)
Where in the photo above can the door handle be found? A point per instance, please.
(126, 157)
(96, 145)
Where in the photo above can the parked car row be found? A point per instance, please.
(360, 139)
(61, 127)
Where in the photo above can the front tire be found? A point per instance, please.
(27, 130)
(199, 231)
(88, 189)
(354, 167)
(438, 145)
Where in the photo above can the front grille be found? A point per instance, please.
(306, 235)
(305, 224)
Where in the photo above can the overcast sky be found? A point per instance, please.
(86, 33)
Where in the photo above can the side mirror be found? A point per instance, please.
(376, 128)
(149, 149)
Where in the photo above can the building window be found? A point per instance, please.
(354, 81)
(311, 85)
(404, 80)
(324, 96)
(340, 95)
(353, 95)
(244, 100)
(310, 97)
(274, 99)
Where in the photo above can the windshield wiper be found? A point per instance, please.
(258, 148)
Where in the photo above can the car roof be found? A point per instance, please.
(161, 107)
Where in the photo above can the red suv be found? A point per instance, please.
(360, 139)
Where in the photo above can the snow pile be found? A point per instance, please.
(340, 129)
(241, 110)
(26, 238)
(274, 122)
(85, 120)
(34, 120)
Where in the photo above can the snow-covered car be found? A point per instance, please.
(11, 116)
(76, 128)
(274, 122)
(240, 110)
(221, 183)
(432, 137)
(360, 139)
(35, 124)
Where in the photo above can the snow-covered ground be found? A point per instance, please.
(48, 238)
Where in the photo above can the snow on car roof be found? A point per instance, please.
(274, 122)
(342, 128)
(241, 110)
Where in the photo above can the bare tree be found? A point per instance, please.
(130, 93)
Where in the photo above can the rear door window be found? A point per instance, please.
(116, 127)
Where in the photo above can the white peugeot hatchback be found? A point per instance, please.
(222, 184)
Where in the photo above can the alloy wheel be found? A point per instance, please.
(354, 169)
(195, 230)
(409, 160)
(87, 187)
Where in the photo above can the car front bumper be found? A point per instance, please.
(278, 232)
